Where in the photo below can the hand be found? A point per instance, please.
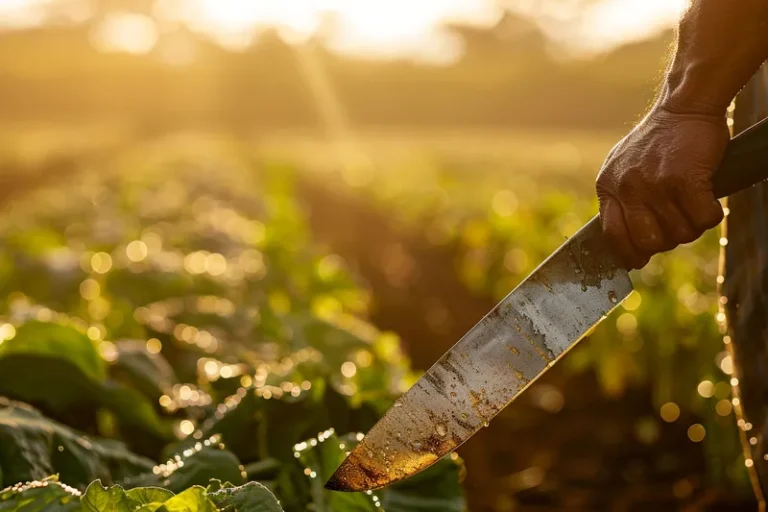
(655, 188)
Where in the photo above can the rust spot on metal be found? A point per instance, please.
(463, 423)
(483, 406)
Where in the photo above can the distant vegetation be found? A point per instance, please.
(509, 75)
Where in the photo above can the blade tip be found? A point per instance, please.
(350, 476)
(336, 484)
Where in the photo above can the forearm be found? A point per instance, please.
(720, 45)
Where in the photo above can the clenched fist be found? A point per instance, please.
(655, 188)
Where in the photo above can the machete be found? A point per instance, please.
(516, 343)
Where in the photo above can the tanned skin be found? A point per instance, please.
(655, 188)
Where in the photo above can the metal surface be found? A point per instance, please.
(494, 362)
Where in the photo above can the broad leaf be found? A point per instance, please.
(47, 495)
(46, 339)
(196, 468)
(33, 447)
(98, 498)
(251, 497)
(148, 373)
(146, 495)
(193, 499)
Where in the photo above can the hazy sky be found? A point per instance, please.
(398, 27)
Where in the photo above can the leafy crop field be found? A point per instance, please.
(172, 339)
(202, 324)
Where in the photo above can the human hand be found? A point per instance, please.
(655, 188)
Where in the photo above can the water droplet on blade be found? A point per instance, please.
(612, 297)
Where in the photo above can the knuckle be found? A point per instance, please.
(629, 185)
(605, 183)
(685, 235)
(660, 182)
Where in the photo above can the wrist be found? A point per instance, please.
(720, 45)
(696, 89)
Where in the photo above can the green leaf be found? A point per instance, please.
(56, 341)
(198, 468)
(148, 373)
(146, 495)
(251, 497)
(58, 368)
(133, 410)
(98, 498)
(210, 462)
(52, 365)
(193, 499)
(47, 495)
(33, 447)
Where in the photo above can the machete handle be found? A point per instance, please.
(745, 162)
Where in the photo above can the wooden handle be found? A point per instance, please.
(745, 162)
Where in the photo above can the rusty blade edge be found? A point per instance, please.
(337, 482)
(575, 273)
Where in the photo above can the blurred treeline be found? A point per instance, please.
(509, 75)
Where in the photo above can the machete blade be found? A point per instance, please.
(492, 364)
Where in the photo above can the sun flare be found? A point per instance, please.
(393, 27)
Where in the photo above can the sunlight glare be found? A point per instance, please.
(126, 32)
(392, 28)
(611, 22)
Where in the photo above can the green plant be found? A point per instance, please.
(171, 307)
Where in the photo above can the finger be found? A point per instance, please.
(701, 208)
(617, 234)
(674, 223)
(644, 229)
